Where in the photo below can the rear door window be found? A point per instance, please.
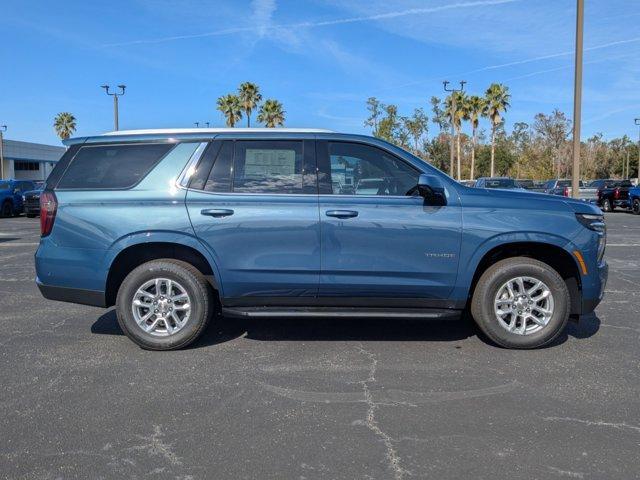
(112, 166)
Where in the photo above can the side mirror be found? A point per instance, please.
(431, 188)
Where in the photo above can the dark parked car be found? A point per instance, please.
(614, 196)
(11, 196)
(531, 185)
(175, 227)
(31, 202)
(503, 183)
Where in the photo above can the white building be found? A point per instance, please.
(29, 161)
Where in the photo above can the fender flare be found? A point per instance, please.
(161, 236)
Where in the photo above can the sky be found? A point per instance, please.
(321, 58)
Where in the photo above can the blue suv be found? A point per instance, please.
(175, 226)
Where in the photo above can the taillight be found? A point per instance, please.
(48, 208)
(616, 193)
(566, 191)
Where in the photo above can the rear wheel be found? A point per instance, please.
(606, 205)
(521, 303)
(635, 207)
(164, 304)
(6, 210)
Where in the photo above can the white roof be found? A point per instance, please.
(169, 131)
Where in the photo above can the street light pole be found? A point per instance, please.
(577, 100)
(115, 96)
(3, 128)
(637, 122)
(453, 113)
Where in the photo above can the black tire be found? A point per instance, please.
(635, 208)
(606, 205)
(200, 293)
(482, 304)
(6, 210)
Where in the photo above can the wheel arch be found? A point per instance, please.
(550, 253)
(134, 254)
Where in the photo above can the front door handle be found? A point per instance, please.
(341, 213)
(217, 212)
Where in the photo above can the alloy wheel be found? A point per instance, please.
(523, 305)
(161, 307)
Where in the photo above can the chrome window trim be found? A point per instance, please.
(183, 179)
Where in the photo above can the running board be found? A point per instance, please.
(326, 312)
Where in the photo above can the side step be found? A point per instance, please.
(346, 312)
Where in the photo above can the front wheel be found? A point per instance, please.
(164, 304)
(635, 208)
(521, 303)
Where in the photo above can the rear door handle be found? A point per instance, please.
(341, 213)
(216, 212)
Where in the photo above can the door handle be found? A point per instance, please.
(341, 213)
(216, 212)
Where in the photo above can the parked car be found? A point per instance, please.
(563, 188)
(31, 201)
(614, 196)
(468, 183)
(172, 226)
(634, 200)
(531, 185)
(11, 196)
(503, 183)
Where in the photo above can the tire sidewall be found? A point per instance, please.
(198, 298)
(498, 275)
(636, 206)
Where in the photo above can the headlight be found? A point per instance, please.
(595, 223)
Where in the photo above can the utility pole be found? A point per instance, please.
(115, 96)
(637, 122)
(454, 108)
(3, 128)
(577, 100)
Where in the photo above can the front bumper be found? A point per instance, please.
(590, 302)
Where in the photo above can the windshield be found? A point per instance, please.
(4, 185)
(501, 183)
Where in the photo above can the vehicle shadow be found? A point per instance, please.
(224, 329)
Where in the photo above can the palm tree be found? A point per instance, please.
(497, 100)
(271, 114)
(473, 110)
(230, 107)
(456, 116)
(249, 95)
(65, 125)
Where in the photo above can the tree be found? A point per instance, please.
(389, 124)
(417, 126)
(374, 108)
(231, 108)
(497, 100)
(271, 114)
(455, 115)
(439, 114)
(552, 131)
(473, 109)
(64, 124)
(249, 96)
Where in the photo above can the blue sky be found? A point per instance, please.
(322, 59)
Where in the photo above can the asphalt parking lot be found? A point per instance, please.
(307, 399)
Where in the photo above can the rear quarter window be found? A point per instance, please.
(112, 166)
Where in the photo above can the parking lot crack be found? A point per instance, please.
(371, 420)
(595, 423)
(157, 447)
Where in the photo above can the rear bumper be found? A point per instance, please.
(72, 295)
